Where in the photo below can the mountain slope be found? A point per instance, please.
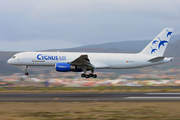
(122, 46)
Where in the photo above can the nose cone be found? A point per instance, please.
(9, 61)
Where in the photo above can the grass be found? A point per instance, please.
(90, 111)
(101, 89)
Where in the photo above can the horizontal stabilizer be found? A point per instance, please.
(156, 59)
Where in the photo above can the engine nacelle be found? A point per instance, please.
(65, 67)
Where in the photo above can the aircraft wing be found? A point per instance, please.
(83, 60)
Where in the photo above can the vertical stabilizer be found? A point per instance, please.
(158, 45)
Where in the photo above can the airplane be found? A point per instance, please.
(152, 54)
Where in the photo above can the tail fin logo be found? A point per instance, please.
(169, 33)
(154, 42)
(153, 50)
(161, 42)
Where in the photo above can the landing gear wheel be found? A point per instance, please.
(94, 76)
(87, 76)
(90, 75)
(26, 73)
(83, 75)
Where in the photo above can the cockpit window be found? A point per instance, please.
(13, 57)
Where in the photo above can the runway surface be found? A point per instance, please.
(89, 97)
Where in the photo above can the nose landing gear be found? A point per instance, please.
(26, 73)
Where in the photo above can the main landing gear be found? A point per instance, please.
(84, 75)
(88, 75)
(26, 73)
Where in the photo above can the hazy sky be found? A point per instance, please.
(29, 25)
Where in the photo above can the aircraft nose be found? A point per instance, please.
(9, 61)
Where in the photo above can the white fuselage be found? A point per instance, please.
(152, 54)
(99, 60)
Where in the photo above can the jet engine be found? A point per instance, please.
(65, 67)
